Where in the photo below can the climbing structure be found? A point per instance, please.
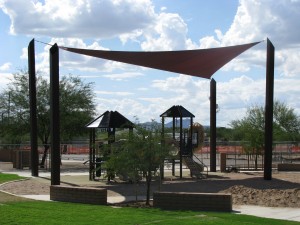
(109, 120)
(184, 142)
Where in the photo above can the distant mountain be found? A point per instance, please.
(185, 123)
(152, 124)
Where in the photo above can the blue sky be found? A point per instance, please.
(145, 25)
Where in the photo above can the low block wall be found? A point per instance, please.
(288, 167)
(87, 195)
(6, 155)
(193, 201)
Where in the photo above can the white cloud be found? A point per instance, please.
(114, 93)
(130, 108)
(168, 33)
(5, 66)
(136, 21)
(74, 62)
(78, 18)
(255, 21)
(180, 82)
(123, 76)
(233, 96)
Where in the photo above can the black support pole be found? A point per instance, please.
(94, 151)
(54, 115)
(163, 144)
(269, 111)
(181, 147)
(33, 114)
(213, 119)
(91, 155)
(190, 139)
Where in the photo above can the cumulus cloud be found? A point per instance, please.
(233, 96)
(168, 33)
(123, 76)
(113, 93)
(78, 18)
(75, 62)
(255, 21)
(5, 66)
(67, 22)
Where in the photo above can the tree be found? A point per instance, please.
(286, 126)
(76, 108)
(142, 153)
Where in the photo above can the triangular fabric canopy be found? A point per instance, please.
(201, 62)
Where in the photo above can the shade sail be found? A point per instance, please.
(201, 62)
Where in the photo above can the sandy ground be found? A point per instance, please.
(246, 188)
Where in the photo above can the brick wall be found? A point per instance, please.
(87, 195)
(193, 201)
(288, 167)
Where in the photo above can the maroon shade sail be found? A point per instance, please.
(201, 62)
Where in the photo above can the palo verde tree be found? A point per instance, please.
(76, 108)
(140, 154)
(286, 127)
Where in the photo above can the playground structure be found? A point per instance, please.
(109, 121)
(184, 142)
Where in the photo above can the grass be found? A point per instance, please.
(39, 212)
(9, 177)
(4, 197)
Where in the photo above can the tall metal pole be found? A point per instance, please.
(54, 115)
(91, 155)
(163, 145)
(213, 119)
(94, 151)
(190, 139)
(181, 147)
(269, 111)
(33, 113)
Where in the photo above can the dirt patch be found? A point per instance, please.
(242, 195)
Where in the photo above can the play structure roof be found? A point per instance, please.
(200, 62)
(110, 119)
(177, 111)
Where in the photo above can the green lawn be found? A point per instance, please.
(9, 177)
(39, 212)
